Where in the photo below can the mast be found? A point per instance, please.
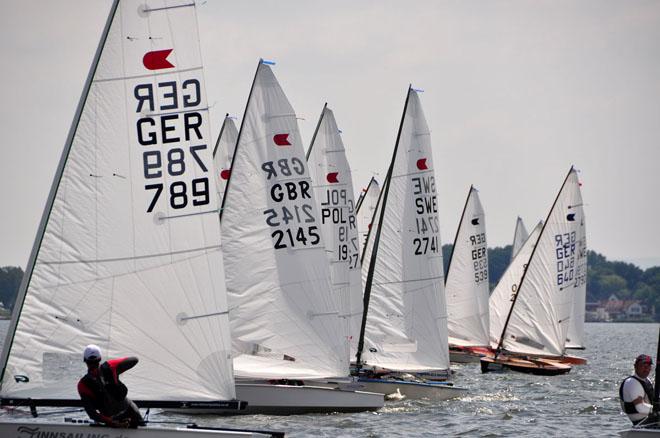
(374, 253)
(238, 139)
(380, 195)
(316, 131)
(656, 395)
(506, 323)
(25, 282)
(222, 128)
(458, 230)
(359, 203)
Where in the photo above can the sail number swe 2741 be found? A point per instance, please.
(426, 216)
(178, 126)
(291, 214)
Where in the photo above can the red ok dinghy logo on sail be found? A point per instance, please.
(332, 177)
(157, 59)
(281, 139)
(225, 173)
(421, 164)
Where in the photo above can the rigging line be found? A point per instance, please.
(142, 257)
(458, 230)
(320, 186)
(318, 125)
(330, 151)
(148, 75)
(169, 7)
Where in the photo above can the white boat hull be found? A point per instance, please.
(263, 398)
(27, 429)
(640, 433)
(414, 390)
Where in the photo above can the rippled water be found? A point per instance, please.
(581, 403)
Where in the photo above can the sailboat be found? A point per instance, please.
(286, 321)
(333, 189)
(127, 254)
(223, 153)
(365, 210)
(535, 329)
(520, 235)
(467, 287)
(404, 327)
(575, 336)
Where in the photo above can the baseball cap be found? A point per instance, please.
(92, 352)
(645, 359)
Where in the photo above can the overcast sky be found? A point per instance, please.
(515, 92)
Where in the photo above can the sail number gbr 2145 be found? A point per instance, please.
(291, 217)
(172, 121)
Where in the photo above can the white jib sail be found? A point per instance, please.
(467, 287)
(575, 337)
(365, 211)
(333, 188)
(406, 327)
(499, 303)
(520, 235)
(544, 305)
(284, 316)
(128, 255)
(223, 153)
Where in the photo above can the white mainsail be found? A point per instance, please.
(128, 252)
(285, 319)
(406, 327)
(575, 337)
(520, 235)
(333, 188)
(223, 153)
(501, 299)
(544, 304)
(467, 286)
(366, 208)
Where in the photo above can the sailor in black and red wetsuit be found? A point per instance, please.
(103, 394)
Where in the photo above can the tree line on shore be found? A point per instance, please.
(604, 278)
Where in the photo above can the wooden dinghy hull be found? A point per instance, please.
(468, 354)
(539, 367)
(26, 429)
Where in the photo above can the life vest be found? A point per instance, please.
(629, 407)
(109, 392)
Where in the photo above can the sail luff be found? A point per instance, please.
(238, 139)
(316, 131)
(458, 231)
(374, 252)
(25, 282)
(222, 129)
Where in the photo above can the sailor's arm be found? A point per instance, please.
(88, 403)
(122, 364)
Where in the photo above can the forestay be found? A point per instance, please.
(128, 253)
(333, 189)
(366, 209)
(575, 337)
(520, 235)
(284, 316)
(502, 297)
(223, 153)
(406, 327)
(467, 278)
(544, 305)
